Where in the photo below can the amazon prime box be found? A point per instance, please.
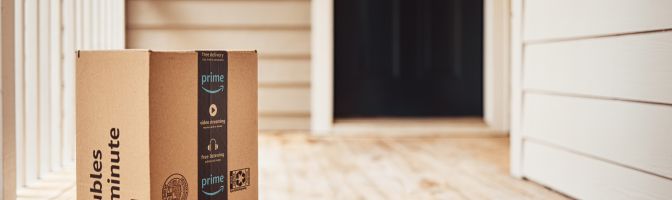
(166, 124)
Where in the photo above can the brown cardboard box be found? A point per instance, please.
(167, 124)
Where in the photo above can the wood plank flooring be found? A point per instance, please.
(300, 166)
(434, 126)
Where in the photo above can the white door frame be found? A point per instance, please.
(322, 66)
(496, 65)
(516, 77)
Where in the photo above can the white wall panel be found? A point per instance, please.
(632, 134)
(271, 123)
(553, 19)
(69, 38)
(267, 42)
(284, 72)
(44, 94)
(634, 67)
(19, 99)
(586, 178)
(55, 86)
(186, 14)
(596, 81)
(29, 159)
(284, 100)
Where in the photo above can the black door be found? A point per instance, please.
(408, 58)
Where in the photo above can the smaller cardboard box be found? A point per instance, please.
(166, 124)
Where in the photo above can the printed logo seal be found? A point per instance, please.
(239, 179)
(175, 188)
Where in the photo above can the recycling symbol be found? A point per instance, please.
(240, 178)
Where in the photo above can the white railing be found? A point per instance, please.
(41, 117)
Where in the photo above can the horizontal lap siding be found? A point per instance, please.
(553, 19)
(284, 100)
(586, 178)
(279, 30)
(597, 100)
(268, 42)
(275, 72)
(633, 67)
(293, 14)
(636, 135)
(285, 122)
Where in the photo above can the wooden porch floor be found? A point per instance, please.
(300, 166)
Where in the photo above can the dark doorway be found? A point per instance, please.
(399, 58)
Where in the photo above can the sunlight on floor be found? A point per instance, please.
(56, 186)
(300, 166)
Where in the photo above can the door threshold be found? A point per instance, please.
(414, 126)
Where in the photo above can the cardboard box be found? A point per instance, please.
(167, 125)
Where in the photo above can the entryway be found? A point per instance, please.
(405, 58)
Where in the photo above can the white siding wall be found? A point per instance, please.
(278, 29)
(595, 92)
